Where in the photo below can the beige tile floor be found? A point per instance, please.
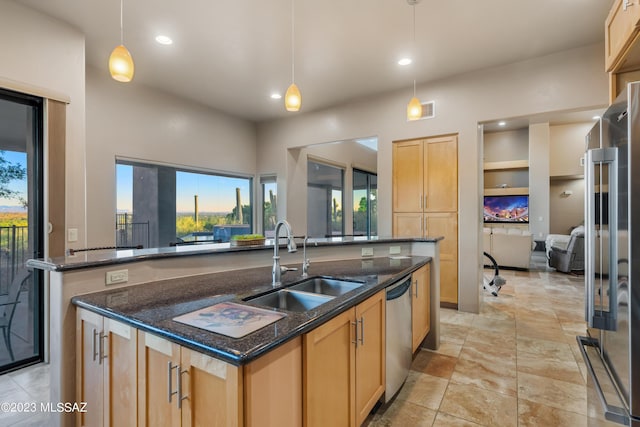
(29, 385)
(516, 363)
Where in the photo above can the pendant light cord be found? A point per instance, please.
(414, 48)
(122, 25)
(293, 52)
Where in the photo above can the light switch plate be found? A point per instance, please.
(367, 252)
(117, 276)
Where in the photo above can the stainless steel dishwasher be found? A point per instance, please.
(399, 341)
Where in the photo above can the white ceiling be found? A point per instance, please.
(231, 55)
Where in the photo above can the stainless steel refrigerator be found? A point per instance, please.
(611, 349)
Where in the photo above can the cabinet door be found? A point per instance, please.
(441, 174)
(120, 390)
(621, 28)
(89, 370)
(408, 224)
(211, 391)
(407, 176)
(329, 373)
(420, 313)
(156, 407)
(370, 354)
(273, 387)
(446, 224)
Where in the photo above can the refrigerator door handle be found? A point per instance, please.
(590, 239)
(601, 319)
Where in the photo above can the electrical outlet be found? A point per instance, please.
(367, 252)
(72, 235)
(117, 276)
(394, 250)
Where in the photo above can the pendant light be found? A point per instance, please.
(120, 62)
(292, 98)
(414, 108)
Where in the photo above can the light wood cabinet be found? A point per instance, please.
(408, 176)
(622, 45)
(441, 174)
(621, 32)
(182, 387)
(130, 377)
(425, 175)
(343, 367)
(106, 371)
(273, 387)
(446, 224)
(420, 312)
(425, 201)
(370, 354)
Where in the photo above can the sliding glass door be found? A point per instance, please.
(325, 185)
(365, 203)
(21, 238)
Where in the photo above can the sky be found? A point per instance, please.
(215, 193)
(20, 186)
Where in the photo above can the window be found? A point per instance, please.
(365, 203)
(160, 205)
(269, 205)
(325, 185)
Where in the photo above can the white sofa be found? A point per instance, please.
(510, 247)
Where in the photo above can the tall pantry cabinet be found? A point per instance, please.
(425, 201)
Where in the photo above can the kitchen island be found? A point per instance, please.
(168, 284)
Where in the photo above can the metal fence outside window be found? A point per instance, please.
(129, 233)
(14, 251)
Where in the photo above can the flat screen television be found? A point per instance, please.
(510, 209)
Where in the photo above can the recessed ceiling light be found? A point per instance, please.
(596, 117)
(502, 123)
(165, 40)
(276, 96)
(405, 61)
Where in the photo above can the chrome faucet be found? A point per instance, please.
(277, 270)
(305, 260)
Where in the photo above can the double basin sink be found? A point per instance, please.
(305, 295)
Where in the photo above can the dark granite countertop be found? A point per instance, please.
(152, 306)
(97, 258)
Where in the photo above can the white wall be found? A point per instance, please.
(505, 146)
(135, 121)
(50, 55)
(539, 180)
(565, 211)
(563, 81)
(566, 147)
(43, 56)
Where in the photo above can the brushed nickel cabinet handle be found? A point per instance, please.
(355, 324)
(94, 347)
(101, 351)
(181, 397)
(170, 368)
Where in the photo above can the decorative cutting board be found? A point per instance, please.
(230, 319)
